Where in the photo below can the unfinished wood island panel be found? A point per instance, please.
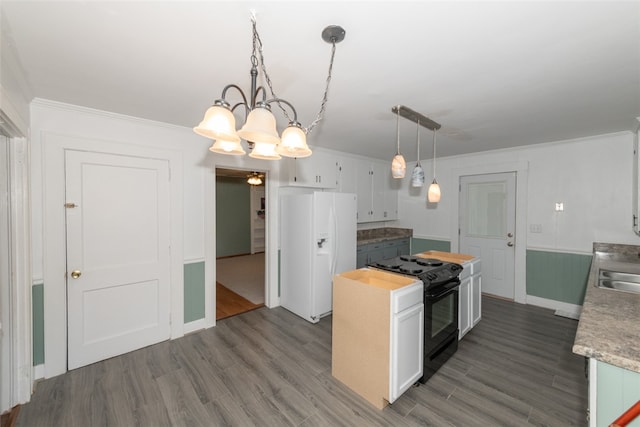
(376, 348)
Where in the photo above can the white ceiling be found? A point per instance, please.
(494, 74)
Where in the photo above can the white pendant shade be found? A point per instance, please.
(398, 166)
(227, 147)
(417, 176)
(260, 127)
(264, 151)
(218, 123)
(293, 143)
(434, 192)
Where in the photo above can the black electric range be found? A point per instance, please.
(441, 285)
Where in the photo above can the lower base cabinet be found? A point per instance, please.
(377, 333)
(612, 390)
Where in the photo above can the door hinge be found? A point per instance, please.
(70, 205)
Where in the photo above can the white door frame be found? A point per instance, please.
(54, 262)
(18, 332)
(273, 171)
(522, 169)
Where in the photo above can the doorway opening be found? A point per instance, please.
(240, 242)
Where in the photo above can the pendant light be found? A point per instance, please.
(398, 165)
(434, 188)
(417, 177)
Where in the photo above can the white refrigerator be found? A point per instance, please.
(317, 240)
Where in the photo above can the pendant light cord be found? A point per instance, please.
(398, 130)
(434, 154)
(418, 142)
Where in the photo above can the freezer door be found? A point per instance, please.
(323, 250)
(296, 256)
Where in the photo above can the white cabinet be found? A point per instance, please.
(377, 193)
(476, 291)
(470, 296)
(320, 170)
(347, 175)
(407, 339)
(377, 333)
(464, 306)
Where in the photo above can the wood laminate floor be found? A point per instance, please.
(229, 303)
(268, 367)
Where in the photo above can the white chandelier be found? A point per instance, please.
(259, 129)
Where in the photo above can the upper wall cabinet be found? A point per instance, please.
(377, 197)
(320, 170)
(347, 175)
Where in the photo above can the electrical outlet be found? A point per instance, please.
(559, 206)
(535, 228)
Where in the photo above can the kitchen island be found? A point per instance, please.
(609, 335)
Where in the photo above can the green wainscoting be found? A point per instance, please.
(557, 276)
(233, 221)
(194, 292)
(421, 245)
(37, 313)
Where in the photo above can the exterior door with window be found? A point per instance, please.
(487, 228)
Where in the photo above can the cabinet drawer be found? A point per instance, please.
(406, 297)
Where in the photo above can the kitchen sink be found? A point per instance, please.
(624, 278)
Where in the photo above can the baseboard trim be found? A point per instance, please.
(38, 372)
(564, 309)
(195, 325)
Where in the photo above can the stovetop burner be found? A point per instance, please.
(432, 272)
(410, 270)
(432, 262)
(392, 263)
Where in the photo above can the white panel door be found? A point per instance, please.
(117, 217)
(487, 228)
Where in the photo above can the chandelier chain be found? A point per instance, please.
(257, 43)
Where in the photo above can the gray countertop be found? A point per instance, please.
(609, 327)
(375, 235)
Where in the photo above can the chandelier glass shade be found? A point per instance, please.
(259, 128)
(218, 123)
(263, 151)
(227, 147)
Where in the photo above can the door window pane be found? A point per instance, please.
(486, 209)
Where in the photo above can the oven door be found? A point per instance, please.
(440, 315)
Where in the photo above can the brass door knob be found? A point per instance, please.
(75, 274)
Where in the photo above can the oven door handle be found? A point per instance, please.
(447, 288)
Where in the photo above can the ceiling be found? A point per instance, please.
(493, 74)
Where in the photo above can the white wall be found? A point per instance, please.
(195, 226)
(591, 176)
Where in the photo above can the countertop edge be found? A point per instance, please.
(608, 326)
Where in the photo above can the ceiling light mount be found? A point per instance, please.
(333, 34)
(259, 129)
